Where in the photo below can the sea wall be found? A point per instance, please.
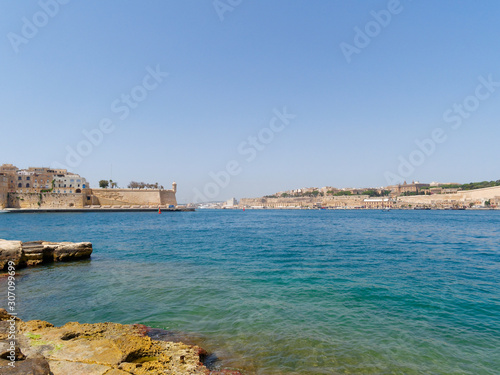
(45, 200)
(329, 201)
(464, 197)
(143, 197)
(167, 197)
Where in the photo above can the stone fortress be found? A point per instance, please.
(46, 188)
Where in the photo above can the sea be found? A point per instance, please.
(283, 291)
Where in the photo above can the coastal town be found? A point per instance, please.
(414, 195)
(37, 188)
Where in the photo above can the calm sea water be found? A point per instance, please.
(284, 292)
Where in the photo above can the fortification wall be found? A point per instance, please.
(487, 193)
(461, 197)
(276, 202)
(4, 189)
(143, 197)
(345, 201)
(167, 197)
(330, 201)
(45, 200)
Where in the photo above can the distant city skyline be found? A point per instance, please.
(255, 98)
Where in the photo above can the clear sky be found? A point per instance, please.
(356, 84)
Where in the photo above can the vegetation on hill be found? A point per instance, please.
(340, 193)
(479, 185)
(376, 193)
(469, 186)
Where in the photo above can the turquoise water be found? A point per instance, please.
(284, 292)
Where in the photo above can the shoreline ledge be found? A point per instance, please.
(94, 349)
(27, 254)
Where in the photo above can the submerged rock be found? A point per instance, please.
(97, 349)
(33, 253)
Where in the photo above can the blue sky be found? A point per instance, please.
(230, 69)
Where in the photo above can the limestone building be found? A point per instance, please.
(39, 180)
(4, 191)
(400, 189)
(57, 188)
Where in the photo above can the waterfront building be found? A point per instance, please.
(40, 187)
(69, 183)
(414, 187)
(231, 203)
(41, 179)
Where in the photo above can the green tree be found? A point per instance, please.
(103, 184)
(371, 193)
(340, 193)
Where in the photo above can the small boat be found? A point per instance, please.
(386, 209)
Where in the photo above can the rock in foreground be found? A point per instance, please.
(95, 349)
(33, 253)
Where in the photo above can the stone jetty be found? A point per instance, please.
(93, 349)
(25, 254)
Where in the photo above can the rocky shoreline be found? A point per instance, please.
(93, 349)
(38, 348)
(26, 254)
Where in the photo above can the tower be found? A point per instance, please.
(174, 186)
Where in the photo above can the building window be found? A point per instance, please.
(19, 185)
(19, 178)
(27, 185)
(27, 178)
